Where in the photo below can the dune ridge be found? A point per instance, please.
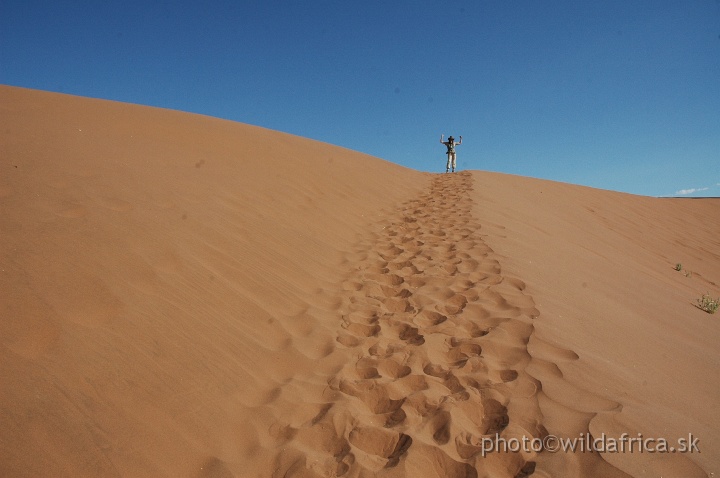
(186, 296)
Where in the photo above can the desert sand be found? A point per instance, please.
(187, 296)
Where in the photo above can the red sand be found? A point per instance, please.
(186, 296)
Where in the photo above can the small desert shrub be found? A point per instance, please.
(708, 304)
(678, 267)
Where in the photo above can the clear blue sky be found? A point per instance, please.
(618, 94)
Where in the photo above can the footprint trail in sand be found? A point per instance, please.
(439, 338)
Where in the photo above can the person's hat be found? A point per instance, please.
(451, 138)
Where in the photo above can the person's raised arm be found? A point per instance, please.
(459, 142)
(441, 138)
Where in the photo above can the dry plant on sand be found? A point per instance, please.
(708, 304)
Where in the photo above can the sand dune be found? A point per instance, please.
(186, 296)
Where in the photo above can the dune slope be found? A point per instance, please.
(601, 267)
(186, 296)
(163, 276)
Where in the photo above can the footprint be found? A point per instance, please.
(507, 375)
(467, 445)
(440, 427)
(516, 283)
(324, 438)
(415, 282)
(496, 417)
(490, 266)
(455, 304)
(352, 285)
(541, 349)
(378, 350)
(467, 266)
(435, 370)
(410, 384)
(366, 368)
(398, 304)
(429, 318)
(348, 340)
(469, 349)
(398, 265)
(410, 335)
(395, 418)
(363, 330)
(474, 330)
(526, 470)
(453, 384)
(381, 442)
(388, 279)
(390, 368)
(375, 396)
(471, 295)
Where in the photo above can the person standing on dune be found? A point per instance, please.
(452, 157)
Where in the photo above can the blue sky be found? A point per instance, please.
(621, 95)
